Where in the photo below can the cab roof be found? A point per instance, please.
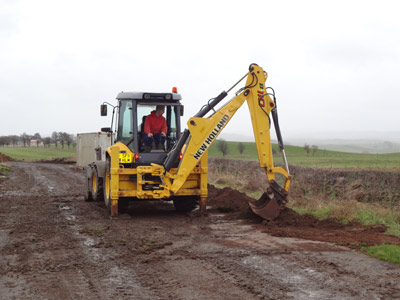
(151, 97)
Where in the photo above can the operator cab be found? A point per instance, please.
(133, 108)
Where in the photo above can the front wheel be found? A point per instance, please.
(185, 203)
(122, 205)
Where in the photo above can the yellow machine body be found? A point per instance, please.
(190, 177)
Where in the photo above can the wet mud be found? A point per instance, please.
(54, 245)
(5, 158)
(292, 224)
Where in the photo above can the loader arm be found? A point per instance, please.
(202, 133)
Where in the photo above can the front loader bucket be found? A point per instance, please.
(270, 204)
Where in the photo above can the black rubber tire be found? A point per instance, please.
(88, 196)
(123, 205)
(185, 203)
(96, 186)
(106, 184)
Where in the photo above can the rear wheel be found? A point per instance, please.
(185, 203)
(88, 196)
(107, 184)
(96, 186)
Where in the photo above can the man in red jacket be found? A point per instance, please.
(155, 129)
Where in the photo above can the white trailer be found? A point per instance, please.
(90, 147)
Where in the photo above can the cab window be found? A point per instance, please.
(125, 124)
(143, 110)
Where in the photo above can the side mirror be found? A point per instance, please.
(181, 110)
(103, 110)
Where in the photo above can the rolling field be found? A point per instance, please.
(296, 156)
(321, 158)
(37, 153)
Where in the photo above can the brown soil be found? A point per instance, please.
(231, 201)
(5, 158)
(61, 160)
(54, 245)
(292, 224)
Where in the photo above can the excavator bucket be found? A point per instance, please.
(271, 203)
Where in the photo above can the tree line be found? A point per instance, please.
(24, 139)
(223, 147)
(308, 149)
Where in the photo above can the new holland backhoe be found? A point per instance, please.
(128, 172)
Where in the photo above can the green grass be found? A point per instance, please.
(320, 214)
(321, 158)
(37, 153)
(384, 252)
(366, 216)
(391, 219)
(347, 211)
(4, 170)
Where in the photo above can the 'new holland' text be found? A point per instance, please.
(211, 137)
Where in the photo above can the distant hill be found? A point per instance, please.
(355, 142)
(354, 146)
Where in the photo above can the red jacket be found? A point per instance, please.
(154, 124)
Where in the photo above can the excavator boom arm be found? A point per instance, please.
(203, 131)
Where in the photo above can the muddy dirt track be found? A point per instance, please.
(54, 245)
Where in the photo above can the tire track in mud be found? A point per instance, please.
(56, 259)
(107, 278)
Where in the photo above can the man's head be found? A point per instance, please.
(160, 110)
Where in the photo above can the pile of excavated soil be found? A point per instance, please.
(5, 158)
(61, 160)
(229, 201)
(291, 224)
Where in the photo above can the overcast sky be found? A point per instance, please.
(333, 64)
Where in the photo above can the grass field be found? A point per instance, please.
(37, 153)
(321, 158)
(295, 155)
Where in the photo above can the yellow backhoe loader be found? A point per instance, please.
(130, 171)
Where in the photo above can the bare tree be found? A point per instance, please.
(14, 139)
(3, 141)
(54, 138)
(241, 148)
(69, 138)
(307, 148)
(223, 147)
(9, 140)
(315, 148)
(46, 142)
(61, 138)
(26, 139)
